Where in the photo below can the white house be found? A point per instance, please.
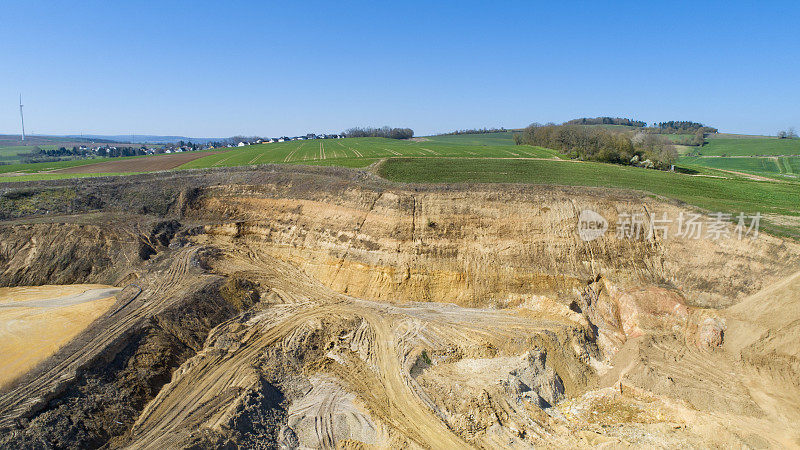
(241, 144)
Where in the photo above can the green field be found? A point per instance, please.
(677, 137)
(749, 147)
(775, 166)
(710, 193)
(359, 152)
(57, 176)
(11, 153)
(506, 138)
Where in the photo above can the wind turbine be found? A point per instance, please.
(22, 117)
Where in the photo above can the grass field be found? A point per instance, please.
(11, 153)
(352, 152)
(677, 137)
(780, 167)
(710, 193)
(56, 176)
(506, 138)
(749, 147)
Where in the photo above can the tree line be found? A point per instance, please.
(384, 132)
(475, 131)
(683, 126)
(40, 155)
(787, 134)
(606, 121)
(602, 145)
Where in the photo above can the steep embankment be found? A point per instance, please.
(315, 307)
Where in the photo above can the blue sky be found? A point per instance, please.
(207, 69)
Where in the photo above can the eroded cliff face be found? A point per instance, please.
(496, 249)
(371, 313)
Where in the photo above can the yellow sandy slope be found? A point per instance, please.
(29, 334)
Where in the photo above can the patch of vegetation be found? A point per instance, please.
(384, 132)
(31, 202)
(607, 121)
(683, 126)
(475, 131)
(426, 358)
(603, 145)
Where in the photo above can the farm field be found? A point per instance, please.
(708, 192)
(11, 153)
(677, 137)
(504, 138)
(18, 178)
(92, 167)
(134, 165)
(54, 165)
(351, 151)
(756, 146)
(768, 166)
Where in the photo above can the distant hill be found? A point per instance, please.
(7, 140)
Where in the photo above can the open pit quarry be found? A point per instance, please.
(300, 307)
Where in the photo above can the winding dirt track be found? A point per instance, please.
(184, 402)
(67, 300)
(158, 293)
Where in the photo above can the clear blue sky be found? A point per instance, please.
(205, 69)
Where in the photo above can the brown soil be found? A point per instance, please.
(144, 164)
(322, 308)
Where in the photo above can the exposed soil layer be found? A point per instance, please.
(324, 308)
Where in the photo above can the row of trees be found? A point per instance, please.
(475, 131)
(602, 145)
(384, 132)
(606, 121)
(40, 155)
(112, 152)
(683, 126)
(787, 134)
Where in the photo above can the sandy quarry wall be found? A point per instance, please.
(481, 246)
